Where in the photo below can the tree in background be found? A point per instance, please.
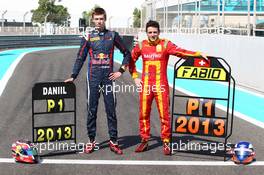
(136, 18)
(57, 14)
(87, 15)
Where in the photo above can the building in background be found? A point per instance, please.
(204, 13)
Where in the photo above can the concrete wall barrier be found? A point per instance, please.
(7, 42)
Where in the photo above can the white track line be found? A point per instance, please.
(135, 162)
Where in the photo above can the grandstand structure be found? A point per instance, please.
(175, 14)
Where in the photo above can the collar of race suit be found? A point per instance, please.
(154, 43)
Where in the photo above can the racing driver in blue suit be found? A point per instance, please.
(100, 44)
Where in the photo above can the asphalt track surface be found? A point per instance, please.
(55, 65)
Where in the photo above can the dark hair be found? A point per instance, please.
(99, 11)
(151, 23)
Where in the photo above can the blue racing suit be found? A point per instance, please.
(100, 46)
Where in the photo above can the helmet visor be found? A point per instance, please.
(32, 152)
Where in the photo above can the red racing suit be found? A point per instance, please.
(154, 82)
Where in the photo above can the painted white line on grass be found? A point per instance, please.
(9, 72)
(11, 69)
(243, 116)
(238, 87)
(236, 113)
(245, 89)
(135, 162)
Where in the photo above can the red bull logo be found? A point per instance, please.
(102, 56)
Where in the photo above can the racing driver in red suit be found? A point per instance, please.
(155, 54)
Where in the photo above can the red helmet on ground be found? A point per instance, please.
(24, 151)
